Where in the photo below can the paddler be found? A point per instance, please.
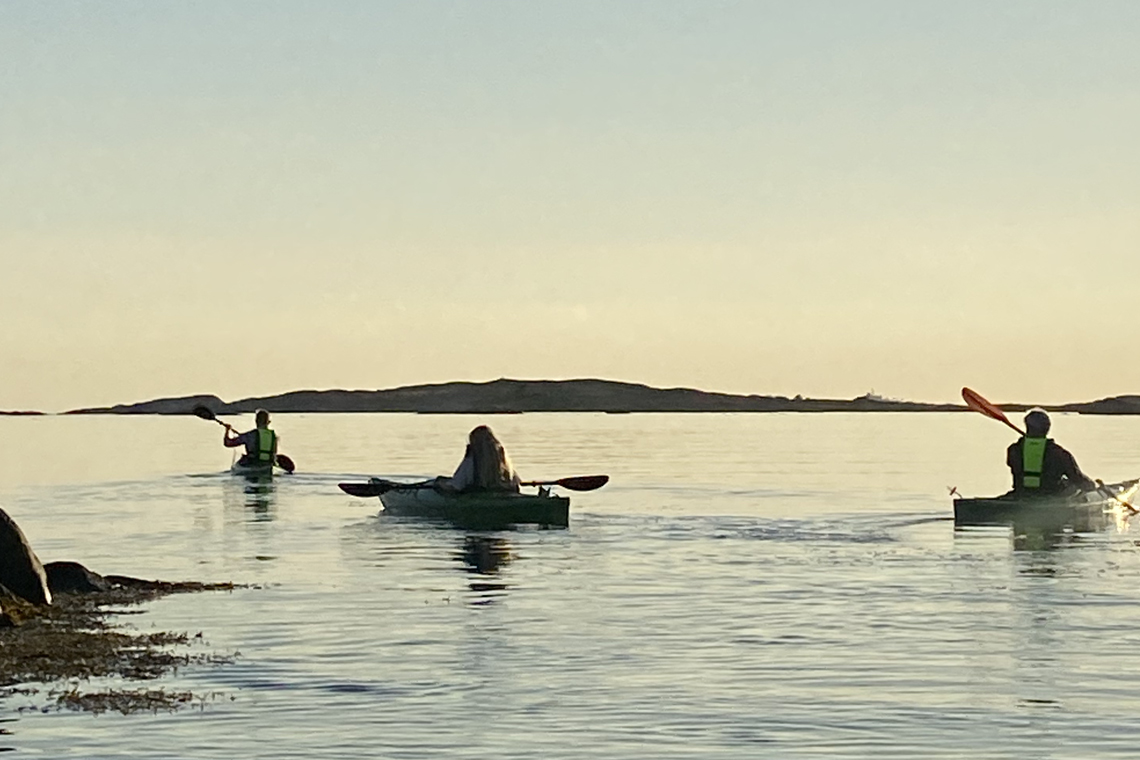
(485, 466)
(1041, 466)
(260, 443)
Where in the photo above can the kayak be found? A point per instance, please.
(263, 469)
(1080, 511)
(474, 509)
(252, 470)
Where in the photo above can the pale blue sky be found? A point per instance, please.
(800, 197)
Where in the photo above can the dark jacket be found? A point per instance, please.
(1058, 471)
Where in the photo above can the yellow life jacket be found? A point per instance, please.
(266, 443)
(1032, 461)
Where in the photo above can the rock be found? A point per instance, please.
(16, 610)
(73, 578)
(20, 569)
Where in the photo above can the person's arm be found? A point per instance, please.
(464, 476)
(1071, 471)
(232, 440)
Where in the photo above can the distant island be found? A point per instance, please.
(505, 396)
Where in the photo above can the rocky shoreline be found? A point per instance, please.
(48, 653)
(56, 633)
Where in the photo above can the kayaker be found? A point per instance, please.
(485, 466)
(1039, 465)
(260, 443)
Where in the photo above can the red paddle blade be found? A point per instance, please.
(285, 463)
(975, 401)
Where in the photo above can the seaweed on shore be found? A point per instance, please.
(72, 641)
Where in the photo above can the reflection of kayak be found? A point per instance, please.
(487, 508)
(1080, 511)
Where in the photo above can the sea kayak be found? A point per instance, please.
(475, 509)
(263, 469)
(1079, 511)
(252, 470)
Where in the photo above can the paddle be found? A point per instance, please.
(1100, 486)
(978, 403)
(377, 486)
(575, 483)
(975, 401)
(284, 462)
(205, 413)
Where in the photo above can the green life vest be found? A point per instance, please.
(266, 443)
(1032, 461)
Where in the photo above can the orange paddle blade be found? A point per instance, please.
(975, 401)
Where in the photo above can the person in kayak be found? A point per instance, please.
(260, 443)
(1041, 466)
(485, 466)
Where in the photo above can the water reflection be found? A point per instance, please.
(1034, 538)
(1035, 535)
(6, 733)
(1040, 533)
(255, 493)
(484, 556)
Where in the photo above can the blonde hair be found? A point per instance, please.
(493, 468)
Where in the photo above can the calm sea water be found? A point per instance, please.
(785, 586)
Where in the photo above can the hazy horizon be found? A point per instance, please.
(818, 198)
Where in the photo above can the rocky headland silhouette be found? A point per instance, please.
(506, 396)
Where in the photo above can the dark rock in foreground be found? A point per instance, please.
(73, 578)
(20, 569)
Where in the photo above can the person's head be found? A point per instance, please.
(1036, 423)
(492, 465)
(261, 417)
(481, 436)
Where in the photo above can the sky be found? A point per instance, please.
(817, 198)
